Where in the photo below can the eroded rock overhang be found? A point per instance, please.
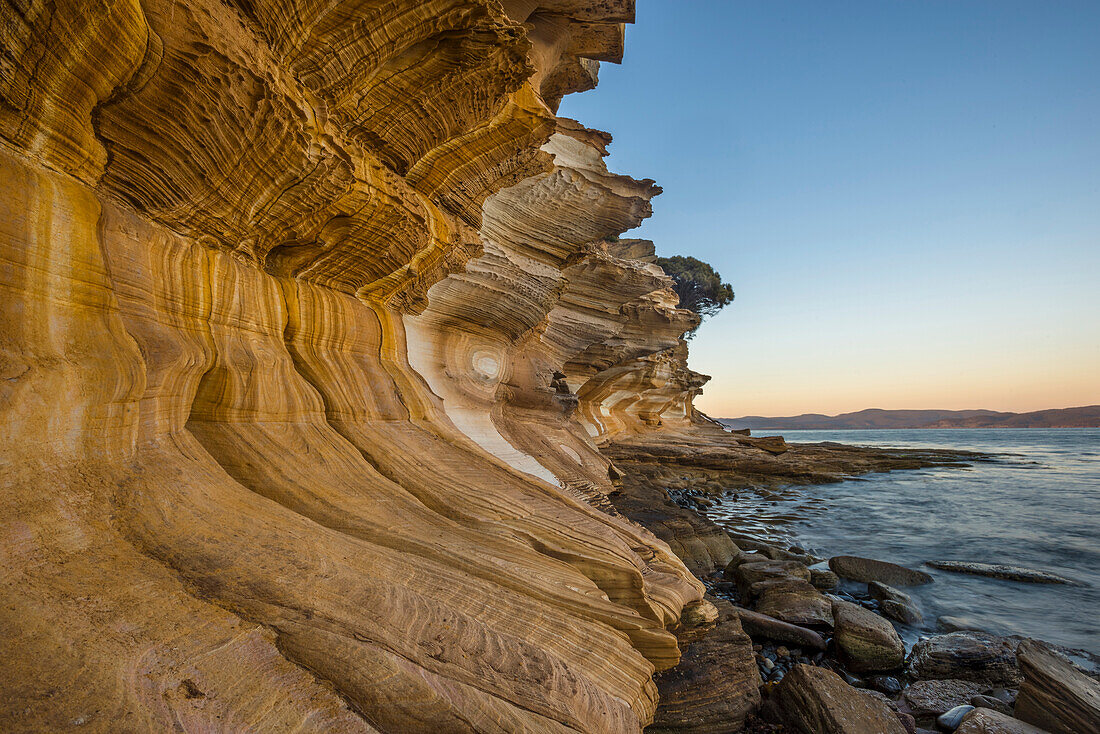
(309, 314)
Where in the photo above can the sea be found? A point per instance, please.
(1035, 504)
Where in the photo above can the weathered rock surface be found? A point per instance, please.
(973, 656)
(988, 721)
(795, 601)
(1055, 695)
(866, 641)
(1002, 571)
(715, 686)
(761, 625)
(895, 604)
(934, 697)
(868, 570)
(285, 291)
(814, 700)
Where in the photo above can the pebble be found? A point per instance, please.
(951, 720)
(768, 664)
(782, 651)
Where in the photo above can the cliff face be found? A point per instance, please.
(309, 328)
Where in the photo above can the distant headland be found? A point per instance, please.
(1087, 416)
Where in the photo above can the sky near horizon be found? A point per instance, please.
(904, 195)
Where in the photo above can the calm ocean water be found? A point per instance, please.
(1038, 506)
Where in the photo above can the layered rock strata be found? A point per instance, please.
(309, 315)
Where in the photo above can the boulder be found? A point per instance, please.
(814, 700)
(868, 570)
(973, 656)
(1055, 694)
(866, 641)
(795, 601)
(988, 721)
(933, 697)
(824, 579)
(896, 605)
(761, 625)
(747, 574)
(1002, 571)
(716, 684)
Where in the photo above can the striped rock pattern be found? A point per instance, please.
(286, 289)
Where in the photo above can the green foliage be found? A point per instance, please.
(699, 285)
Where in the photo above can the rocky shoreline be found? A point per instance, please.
(791, 642)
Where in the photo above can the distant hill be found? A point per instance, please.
(1084, 417)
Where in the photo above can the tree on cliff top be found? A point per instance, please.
(698, 284)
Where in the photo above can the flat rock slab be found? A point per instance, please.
(1001, 571)
(868, 570)
(988, 721)
(761, 625)
(974, 656)
(1056, 695)
(814, 700)
(867, 642)
(933, 697)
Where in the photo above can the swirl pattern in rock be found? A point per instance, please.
(309, 324)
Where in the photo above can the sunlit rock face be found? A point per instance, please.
(309, 318)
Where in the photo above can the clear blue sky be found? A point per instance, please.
(905, 195)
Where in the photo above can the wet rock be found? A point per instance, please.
(1055, 694)
(973, 656)
(1002, 571)
(814, 700)
(868, 570)
(795, 601)
(886, 684)
(866, 641)
(987, 721)
(958, 624)
(950, 720)
(890, 703)
(761, 625)
(896, 605)
(934, 697)
(989, 702)
(824, 579)
(904, 613)
(1002, 694)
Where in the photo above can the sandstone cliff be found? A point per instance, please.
(311, 318)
